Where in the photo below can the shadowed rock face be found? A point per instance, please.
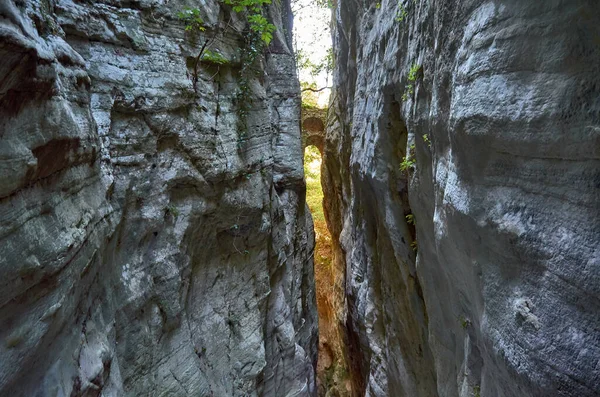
(147, 245)
(502, 296)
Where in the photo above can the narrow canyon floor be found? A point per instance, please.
(332, 369)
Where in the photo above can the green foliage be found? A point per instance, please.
(412, 77)
(309, 104)
(326, 65)
(464, 322)
(302, 60)
(244, 5)
(260, 35)
(408, 91)
(412, 73)
(314, 57)
(262, 27)
(378, 6)
(414, 246)
(401, 12)
(171, 209)
(426, 140)
(324, 3)
(410, 219)
(259, 26)
(409, 161)
(193, 20)
(310, 100)
(251, 8)
(310, 96)
(258, 23)
(312, 162)
(476, 391)
(214, 57)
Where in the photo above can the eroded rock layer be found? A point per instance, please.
(150, 244)
(472, 258)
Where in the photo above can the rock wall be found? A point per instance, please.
(495, 289)
(148, 244)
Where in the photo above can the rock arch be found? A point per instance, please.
(313, 128)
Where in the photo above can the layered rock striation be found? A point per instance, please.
(462, 187)
(153, 241)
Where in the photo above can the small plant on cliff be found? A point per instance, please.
(426, 140)
(412, 73)
(476, 391)
(214, 57)
(409, 161)
(412, 77)
(410, 219)
(258, 25)
(408, 91)
(464, 322)
(171, 209)
(401, 12)
(259, 34)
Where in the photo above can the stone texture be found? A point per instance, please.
(148, 246)
(502, 297)
(313, 127)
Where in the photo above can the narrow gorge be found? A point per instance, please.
(156, 162)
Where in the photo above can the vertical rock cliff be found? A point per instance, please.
(149, 243)
(463, 190)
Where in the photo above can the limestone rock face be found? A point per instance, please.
(475, 269)
(152, 241)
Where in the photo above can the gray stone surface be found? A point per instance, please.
(502, 298)
(147, 245)
(313, 127)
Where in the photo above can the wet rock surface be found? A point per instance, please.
(473, 270)
(148, 245)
